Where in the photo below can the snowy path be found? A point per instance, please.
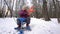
(38, 26)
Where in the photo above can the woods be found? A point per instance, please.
(43, 8)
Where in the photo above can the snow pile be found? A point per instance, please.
(38, 26)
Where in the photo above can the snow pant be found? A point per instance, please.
(21, 20)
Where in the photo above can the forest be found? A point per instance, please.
(43, 8)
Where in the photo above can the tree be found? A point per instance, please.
(45, 11)
(10, 5)
(36, 7)
(0, 13)
(9, 8)
(58, 11)
(55, 11)
(50, 10)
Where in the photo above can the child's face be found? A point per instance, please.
(24, 8)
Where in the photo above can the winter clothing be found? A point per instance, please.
(23, 13)
(21, 20)
(24, 17)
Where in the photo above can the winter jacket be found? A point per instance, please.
(23, 13)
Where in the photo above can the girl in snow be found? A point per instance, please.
(24, 17)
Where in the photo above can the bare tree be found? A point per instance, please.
(58, 11)
(10, 7)
(50, 10)
(54, 3)
(45, 11)
(36, 7)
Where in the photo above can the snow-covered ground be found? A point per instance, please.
(38, 26)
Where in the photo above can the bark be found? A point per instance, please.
(58, 11)
(9, 8)
(45, 11)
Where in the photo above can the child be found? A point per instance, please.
(24, 16)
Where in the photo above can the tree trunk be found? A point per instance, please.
(9, 8)
(58, 11)
(50, 10)
(36, 8)
(55, 15)
(45, 11)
